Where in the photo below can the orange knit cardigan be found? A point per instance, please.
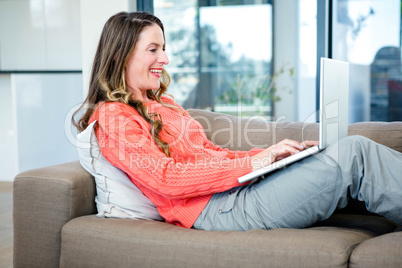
(180, 185)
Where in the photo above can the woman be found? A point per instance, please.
(192, 182)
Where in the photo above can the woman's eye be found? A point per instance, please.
(153, 50)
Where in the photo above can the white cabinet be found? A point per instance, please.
(40, 35)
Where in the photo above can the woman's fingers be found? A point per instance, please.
(279, 151)
(285, 149)
(288, 147)
(292, 143)
(308, 144)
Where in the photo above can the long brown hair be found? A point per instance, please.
(107, 83)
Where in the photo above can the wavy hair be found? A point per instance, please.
(107, 82)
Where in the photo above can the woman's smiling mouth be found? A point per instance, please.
(156, 71)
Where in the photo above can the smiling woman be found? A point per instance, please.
(194, 183)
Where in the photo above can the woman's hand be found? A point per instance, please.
(279, 151)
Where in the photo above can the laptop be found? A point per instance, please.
(333, 115)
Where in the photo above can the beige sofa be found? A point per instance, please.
(55, 223)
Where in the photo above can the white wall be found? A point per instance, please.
(34, 109)
(94, 14)
(8, 131)
(42, 102)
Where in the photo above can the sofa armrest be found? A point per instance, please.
(44, 200)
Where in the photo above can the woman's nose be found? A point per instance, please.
(163, 58)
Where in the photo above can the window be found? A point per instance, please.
(367, 34)
(221, 65)
(220, 54)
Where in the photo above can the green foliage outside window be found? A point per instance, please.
(250, 89)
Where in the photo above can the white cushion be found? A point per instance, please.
(117, 196)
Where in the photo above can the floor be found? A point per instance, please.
(6, 225)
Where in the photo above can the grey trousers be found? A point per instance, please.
(310, 190)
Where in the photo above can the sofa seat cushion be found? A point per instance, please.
(381, 251)
(99, 242)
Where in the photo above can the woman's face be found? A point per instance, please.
(144, 67)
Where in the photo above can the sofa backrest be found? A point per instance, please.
(238, 133)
